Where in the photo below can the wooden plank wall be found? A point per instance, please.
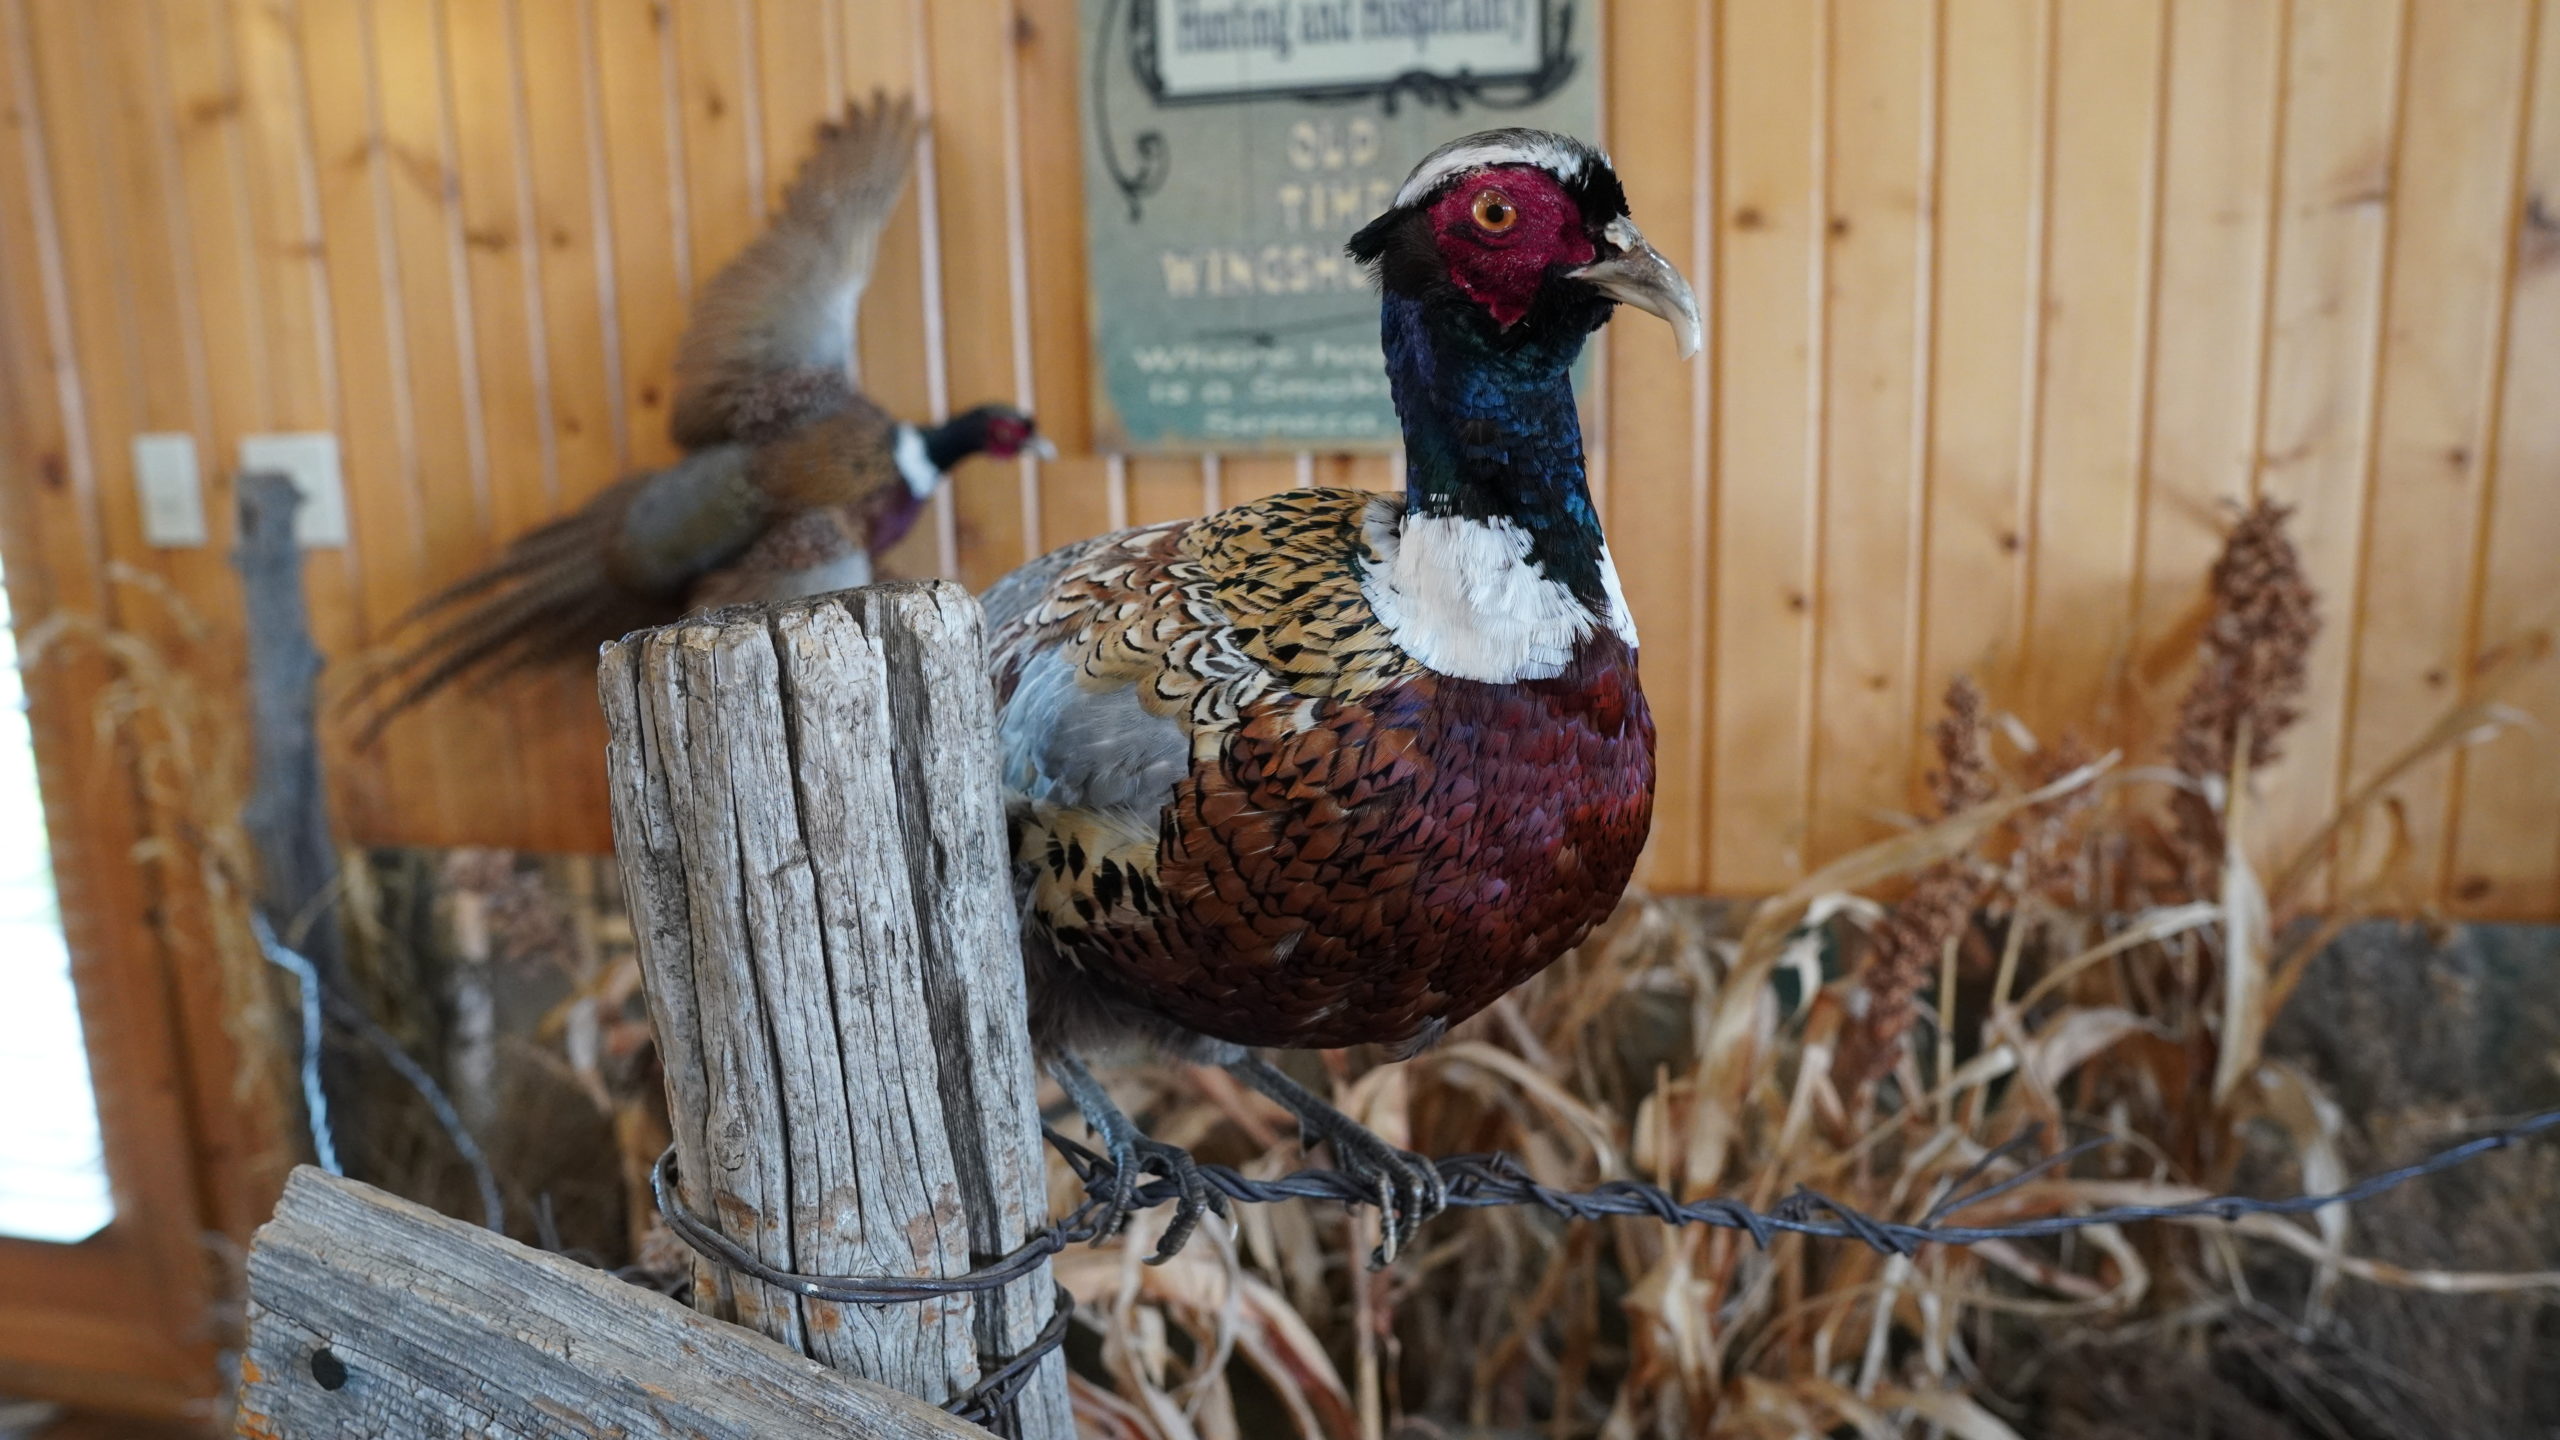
(2009, 302)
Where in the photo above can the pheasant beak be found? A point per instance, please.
(1638, 275)
(1040, 448)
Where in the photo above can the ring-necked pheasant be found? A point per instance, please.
(793, 478)
(1334, 768)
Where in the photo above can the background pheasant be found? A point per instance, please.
(1334, 768)
(793, 478)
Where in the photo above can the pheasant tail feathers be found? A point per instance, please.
(551, 596)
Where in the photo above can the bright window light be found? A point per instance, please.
(53, 1176)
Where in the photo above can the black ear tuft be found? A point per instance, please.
(1370, 242)
(1598, 192)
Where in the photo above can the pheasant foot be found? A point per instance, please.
(1134, 1156)
(1409, 1187)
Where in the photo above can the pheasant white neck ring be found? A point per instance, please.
(1461, 596)
(923, 477)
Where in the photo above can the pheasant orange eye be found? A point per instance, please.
(1495, 212)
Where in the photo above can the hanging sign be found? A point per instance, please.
(1232, 146)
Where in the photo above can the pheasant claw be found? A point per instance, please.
(1134, 1155)
(1409, 1187)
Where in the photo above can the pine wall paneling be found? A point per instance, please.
(2446, 302)
(2336, 132)
(109, 279)
(2009, 302)
(1773, 73)
(2505, 823)
(1657, 98)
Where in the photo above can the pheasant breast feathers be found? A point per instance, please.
(1241, 805)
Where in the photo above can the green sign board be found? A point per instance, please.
(1231, 146)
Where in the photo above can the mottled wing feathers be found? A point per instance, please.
(845, 458)
(1238, 806)
(1284, 576)
(622, 561)
(812, 553)
(1009, 602)
(771, 342)
(1124, 661)
(691, 517)
(1209, 615)
(1070, 744)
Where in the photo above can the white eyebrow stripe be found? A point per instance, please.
(1562, 161)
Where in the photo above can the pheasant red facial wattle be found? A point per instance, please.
(1334, 768)
(1502, 231)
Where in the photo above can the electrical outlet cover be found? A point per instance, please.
(164, 470)
(311, 458)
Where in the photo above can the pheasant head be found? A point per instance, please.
(1529, 232)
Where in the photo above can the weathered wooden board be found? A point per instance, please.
(371, 1316)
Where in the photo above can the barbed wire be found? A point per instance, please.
(317, 999)
(1481, 1181)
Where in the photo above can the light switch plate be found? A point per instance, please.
(311, 458)
(164, 470)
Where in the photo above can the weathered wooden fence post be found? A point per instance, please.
(807, 811)
(287, 813)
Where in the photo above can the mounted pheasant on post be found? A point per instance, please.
(1334, 768)
(792, 481)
